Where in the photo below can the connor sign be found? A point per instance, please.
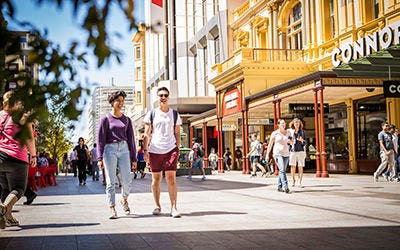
(378, 40)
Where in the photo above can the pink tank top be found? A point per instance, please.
(8, 144)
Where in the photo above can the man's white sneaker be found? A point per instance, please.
(375, 177)
(175, 214)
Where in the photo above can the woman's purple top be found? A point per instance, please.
(113, 129)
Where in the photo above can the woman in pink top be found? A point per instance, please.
(13, 157)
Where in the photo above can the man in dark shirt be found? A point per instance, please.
(238, 157)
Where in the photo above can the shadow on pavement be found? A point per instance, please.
(67, 186)
(384, 237)
(193, 214)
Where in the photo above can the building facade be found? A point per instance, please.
(323, 61)
(180, 44)
(100, 106)
(16, 64)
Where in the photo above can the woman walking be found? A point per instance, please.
(82, 156)
(297, 150)
(280, 138)
(13, 157)
(116, 149)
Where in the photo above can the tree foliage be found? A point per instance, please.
(58, 68)
(51, 133)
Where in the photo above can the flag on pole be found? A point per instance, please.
(157, 16)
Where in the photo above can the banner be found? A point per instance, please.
(157, 16)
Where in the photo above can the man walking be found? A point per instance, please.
(161, 149)
(255, 155)
(196, 159)
(386, 151)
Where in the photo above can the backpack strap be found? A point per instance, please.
(175, 116)
(175, 112)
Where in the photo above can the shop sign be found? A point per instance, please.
(391, 88)
(305, 108)
(232, 102)
(228, 127)
(364, 46)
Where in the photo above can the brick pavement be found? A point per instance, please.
(228, 211)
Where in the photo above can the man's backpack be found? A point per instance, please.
(152, 112)
(200, 151)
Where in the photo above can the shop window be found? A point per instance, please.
(336, 133)
(294, 29)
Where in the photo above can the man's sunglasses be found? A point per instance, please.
(163, 95)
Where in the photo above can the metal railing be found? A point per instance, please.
(262, 55)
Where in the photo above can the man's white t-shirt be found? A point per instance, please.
(162, 138)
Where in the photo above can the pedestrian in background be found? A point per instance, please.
(297, 150)
(116, 149)
(196, 159)
(389, 175)
(255, 153)
(141, 163)
(73, 162)
(81, 156)
(212, 159)
(279, 141)
(65, 163)
(238, 157)
(161, 143)
(93, 162)
(386, 151)
(228, 159)
(14, 160)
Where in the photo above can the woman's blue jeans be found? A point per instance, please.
(117, 156)
(282, 162)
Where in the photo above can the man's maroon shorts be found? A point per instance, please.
(164, 162)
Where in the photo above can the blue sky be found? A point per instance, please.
(63, 28)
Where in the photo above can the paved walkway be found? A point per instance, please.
(228, 211)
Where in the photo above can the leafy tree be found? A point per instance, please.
(59, 68)
(51, 132)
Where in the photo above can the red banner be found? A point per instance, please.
(232, 102)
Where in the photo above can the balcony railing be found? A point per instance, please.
(262, 55)
(270, 55)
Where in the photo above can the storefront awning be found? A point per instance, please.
(384, 63)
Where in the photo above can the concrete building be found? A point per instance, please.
(15, 64)
(181, 43)
(100, 106)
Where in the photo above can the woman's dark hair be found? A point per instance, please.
(115, 95)
(81, 138)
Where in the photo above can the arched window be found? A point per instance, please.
(294, 29)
